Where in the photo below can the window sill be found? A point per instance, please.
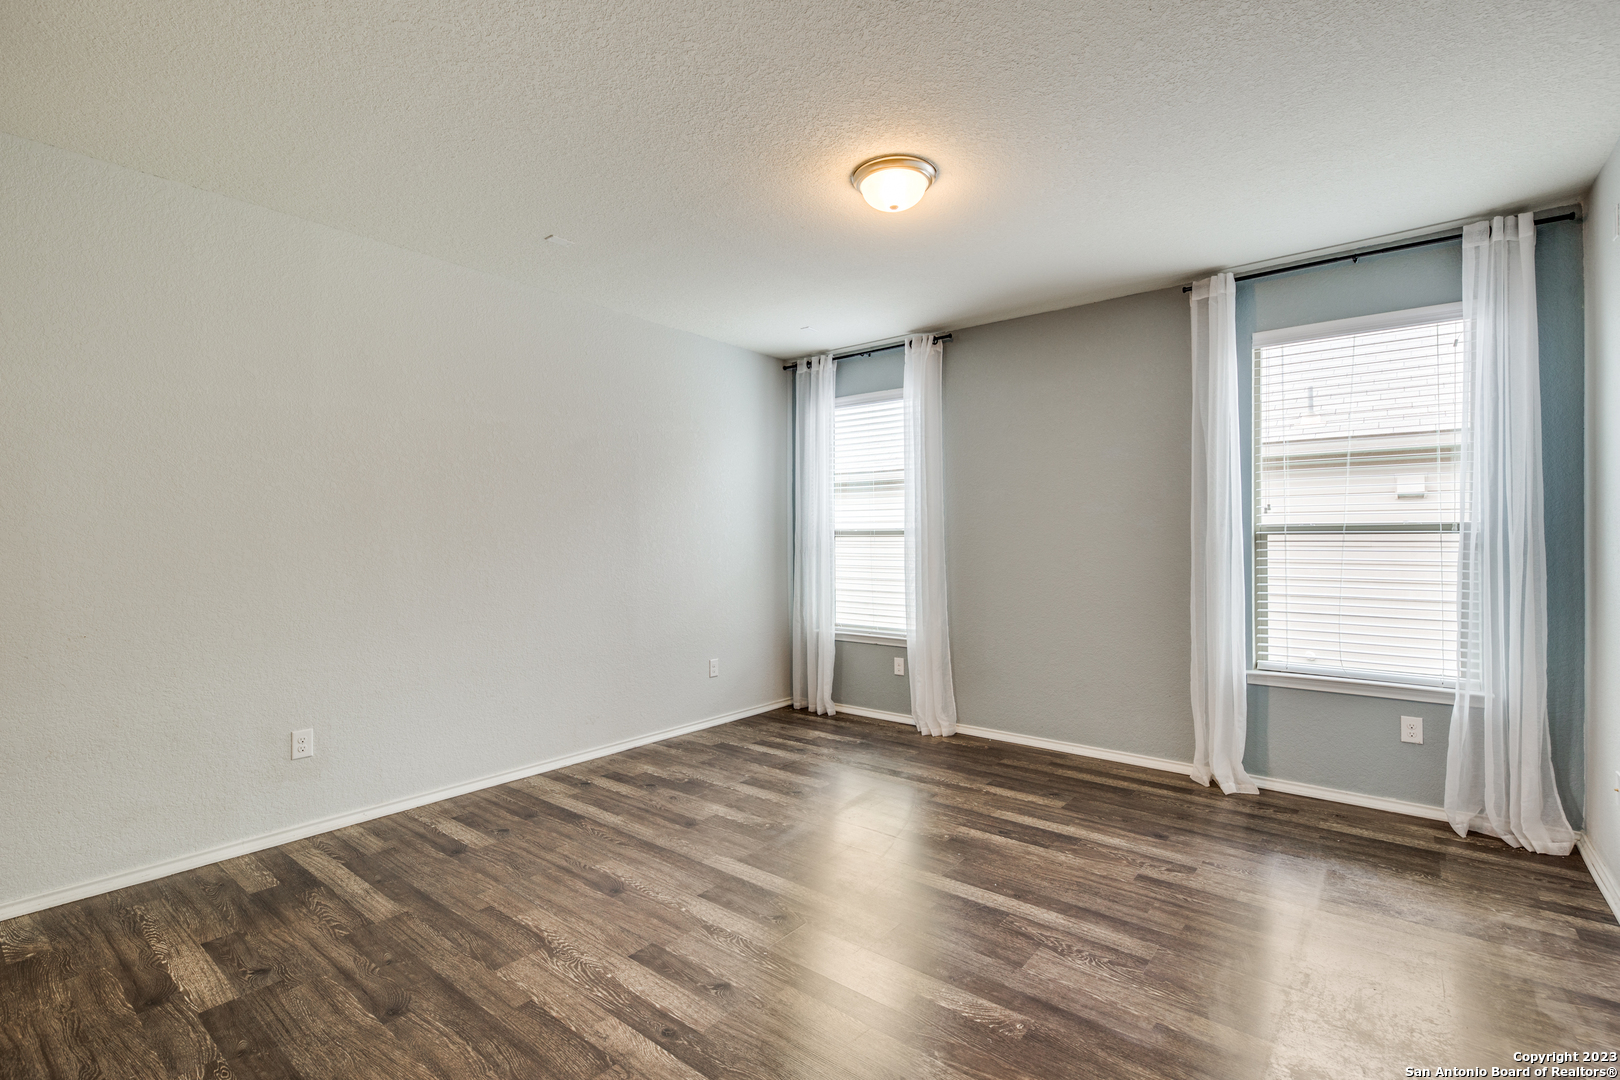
(1436, 695)
(872, 639)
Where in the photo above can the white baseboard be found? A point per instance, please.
(876, 714)
(1029, 740)
(182, 863)
(1123, 757)
(1183, 768)
(1352, 798)
(1268, 783)
(1608, 884)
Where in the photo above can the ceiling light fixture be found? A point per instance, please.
(894, 182)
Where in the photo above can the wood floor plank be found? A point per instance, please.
(146, 982)
(636, 1056)
(176, 1035)
(250, 873)
(194, 972)
(98, 1034)
(354, 890)
(565, 977)
(250, 1037)
(458, 1031)
(324, 1031)
(21, 938)
(805, 897)
(449, 826)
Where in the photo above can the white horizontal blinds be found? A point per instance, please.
(869, 515)
(1357, 448)
(1380, 604)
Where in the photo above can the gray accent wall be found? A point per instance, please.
(1348, 743)
(1067, 487)
(1353, 743)
(863, 676)
(1561, 311)
(884, 370)
(1068, 475)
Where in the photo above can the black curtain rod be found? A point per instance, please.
(1444, 238)
(866, 352)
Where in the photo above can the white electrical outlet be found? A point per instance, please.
(303, 743)
(1412, 729)
(714, 669)
(899, 665)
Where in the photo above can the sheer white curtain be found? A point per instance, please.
(928, 643)
(1499, 777)
(815, 388)
(1220, 649)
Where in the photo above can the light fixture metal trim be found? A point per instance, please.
(893, 161)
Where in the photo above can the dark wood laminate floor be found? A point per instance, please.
(795, 897)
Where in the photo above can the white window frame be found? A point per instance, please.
(1391, 686)
(867, 636)
(893, 394)
(1361, 324)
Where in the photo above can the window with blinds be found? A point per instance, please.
(1357, 444)
(869, 514)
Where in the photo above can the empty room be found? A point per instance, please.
(696, 541)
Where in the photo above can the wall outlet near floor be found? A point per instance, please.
(1412, 729)
(714, 669)
(303, 743)
(899, 665)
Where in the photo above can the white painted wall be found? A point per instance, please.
(257, 474)
(1602, 848)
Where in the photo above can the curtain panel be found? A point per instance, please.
(928, 642)
(1499, 777)
(1220, 649)
(813, 617)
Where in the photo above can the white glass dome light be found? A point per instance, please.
(894, 182)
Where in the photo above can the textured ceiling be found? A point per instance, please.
(696, 151)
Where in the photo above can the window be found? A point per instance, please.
(1357, 441)
(869, 514)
